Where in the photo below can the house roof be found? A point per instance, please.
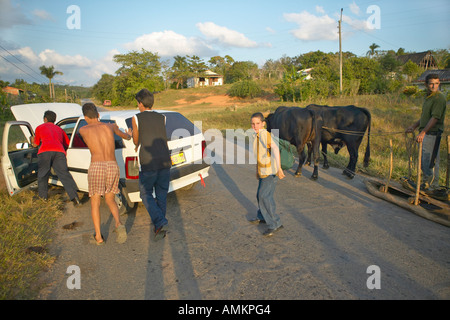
(209, 73)
(444, 75)
(13, 90)
(418, 58)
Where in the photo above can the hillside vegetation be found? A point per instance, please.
(391, 114)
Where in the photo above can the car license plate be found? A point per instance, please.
(178, 158)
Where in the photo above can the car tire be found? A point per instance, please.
(123, 202)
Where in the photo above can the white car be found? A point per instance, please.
(19, 159)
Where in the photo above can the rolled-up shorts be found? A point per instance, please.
(103, 177)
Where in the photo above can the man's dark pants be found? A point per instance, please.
(157, 181)
(57, 161)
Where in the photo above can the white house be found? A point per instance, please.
(208, 78)
(305, 73)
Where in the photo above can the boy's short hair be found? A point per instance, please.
(146, 98)
(258, 115)
(50, 116)
(90, 110)
(431, 76)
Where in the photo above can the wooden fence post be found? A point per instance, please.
(419, 169)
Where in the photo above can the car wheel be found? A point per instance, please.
(123, 202)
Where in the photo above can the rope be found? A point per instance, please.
(411, 148)
(361, 133)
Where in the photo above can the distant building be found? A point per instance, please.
(424, 59)
(13, 91)
(305, 73)
(208, 78)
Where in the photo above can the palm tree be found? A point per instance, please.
(372, 48)
(180, 69)
(50, 72)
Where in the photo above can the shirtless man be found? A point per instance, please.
(103, 173)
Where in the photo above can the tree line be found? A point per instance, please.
(377, 72)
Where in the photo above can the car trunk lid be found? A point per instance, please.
(34, 113)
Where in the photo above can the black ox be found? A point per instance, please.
(343, 125)
(298, 126)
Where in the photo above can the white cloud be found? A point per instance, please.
(354, 8)
(312, 27)
(320, 9)
(225, 36)
(104, 65)
(270, 30)
(27, 64)
(28, 54)
(42, 14)
(355, 23)
(51, 57)
(169, 43)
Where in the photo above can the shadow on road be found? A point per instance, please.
(233, 188)
(170, 273)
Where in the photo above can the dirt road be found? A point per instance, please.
(333, 231)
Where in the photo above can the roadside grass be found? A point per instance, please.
(26, 228)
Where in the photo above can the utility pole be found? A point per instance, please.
(340, 54)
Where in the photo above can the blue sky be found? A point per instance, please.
(82, 43)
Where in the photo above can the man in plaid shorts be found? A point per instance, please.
(103, 173)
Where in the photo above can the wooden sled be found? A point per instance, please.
(428, 208)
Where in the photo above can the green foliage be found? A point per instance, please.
(242, 70)
(410, 90)
(245, 89)
(103, 89)
(138, 70)
(5, 111)
(411, 70)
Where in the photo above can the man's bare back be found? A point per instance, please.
(99, 137)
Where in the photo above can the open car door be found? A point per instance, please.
(19, 157)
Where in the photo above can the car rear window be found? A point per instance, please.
(177, 126)
(78, 140)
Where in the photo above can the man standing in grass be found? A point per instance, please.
(103, 173)
(431, 126)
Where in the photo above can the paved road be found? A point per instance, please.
(334, 230)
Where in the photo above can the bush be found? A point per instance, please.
(410, 90)
(245, 89)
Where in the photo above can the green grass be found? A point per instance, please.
(26, 228)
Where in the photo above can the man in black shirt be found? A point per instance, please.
(150, 138)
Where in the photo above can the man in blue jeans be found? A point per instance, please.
(150, 138)
(431, 126)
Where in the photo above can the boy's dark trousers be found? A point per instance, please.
(57, 161)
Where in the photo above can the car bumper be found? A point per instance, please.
(179, 177)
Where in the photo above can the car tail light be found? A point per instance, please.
(131, 168)
(203, 148)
